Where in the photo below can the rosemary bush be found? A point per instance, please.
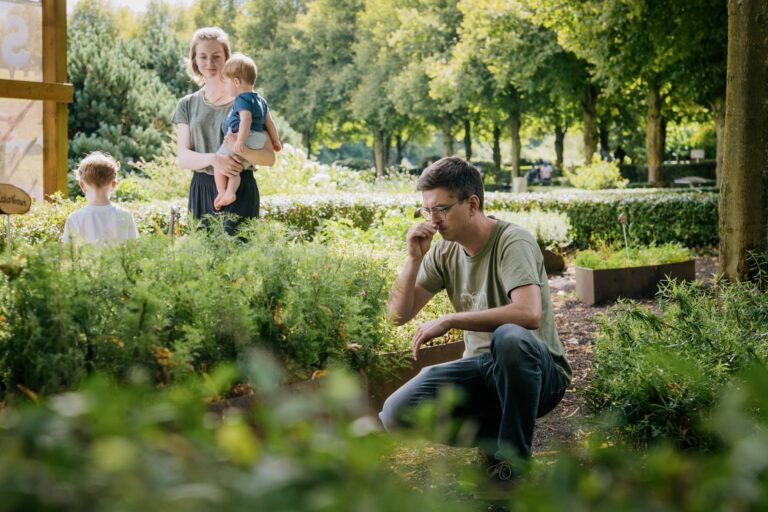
(660, 373)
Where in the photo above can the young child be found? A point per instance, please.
(249, 119)
(99, 221)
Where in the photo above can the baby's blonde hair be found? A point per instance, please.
(98, 169)
(205, 34)
(242, 67)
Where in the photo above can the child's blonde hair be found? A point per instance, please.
(98, 169)
(242, 67)
(205, 34)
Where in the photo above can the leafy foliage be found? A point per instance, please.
(71, 311)
(618, 257)
(660, 373)
(112, 447)
(124, 90)
(597, 175)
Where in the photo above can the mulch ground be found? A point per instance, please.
(565, 425)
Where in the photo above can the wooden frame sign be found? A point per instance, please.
(13, 200)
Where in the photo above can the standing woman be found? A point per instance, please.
(199, 117)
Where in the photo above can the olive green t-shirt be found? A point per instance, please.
(205, 121)
(511, 258)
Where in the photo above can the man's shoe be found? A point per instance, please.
(499, 484)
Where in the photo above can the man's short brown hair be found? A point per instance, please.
(459, 177)
(242, 67)
(98, 169)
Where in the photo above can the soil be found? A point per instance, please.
(565, 425)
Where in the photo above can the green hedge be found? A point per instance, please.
(686, 217)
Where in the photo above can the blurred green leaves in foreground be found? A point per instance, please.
(135, 447)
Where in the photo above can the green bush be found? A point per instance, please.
(183, 305)
(660, 373)
(618, 257)
(131, 447)
(687, 217)
(655, 217)
(599, 174)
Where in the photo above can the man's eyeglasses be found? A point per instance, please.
(437, 212)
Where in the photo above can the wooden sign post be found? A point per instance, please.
(13, 201)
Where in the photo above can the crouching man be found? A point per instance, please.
(514, 368)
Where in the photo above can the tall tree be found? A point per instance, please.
(744, 188)
(308, 66)
(424, 39)
(515, 53)
(629, 41)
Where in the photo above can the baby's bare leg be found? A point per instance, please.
(222, 182)
(230, 194)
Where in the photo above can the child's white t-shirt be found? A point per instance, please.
(98, 224)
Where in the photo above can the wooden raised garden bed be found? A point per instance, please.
(600, 286)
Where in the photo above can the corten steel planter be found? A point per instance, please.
(606, 285)
(381, 384)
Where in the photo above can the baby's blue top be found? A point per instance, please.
(252, 102)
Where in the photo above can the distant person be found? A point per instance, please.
(619, 155)
(199, 117)
(532, 176)
(99, 221)
(546, 172)
(249, 120)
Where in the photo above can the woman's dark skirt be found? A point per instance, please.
(202, 192)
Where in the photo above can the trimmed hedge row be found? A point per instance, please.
(686, 217)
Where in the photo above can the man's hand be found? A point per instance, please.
(418, 239)
(428, 331)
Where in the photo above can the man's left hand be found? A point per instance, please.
(428, 331)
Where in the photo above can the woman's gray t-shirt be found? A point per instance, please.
(205, 121)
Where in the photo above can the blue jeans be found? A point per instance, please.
(502, 392)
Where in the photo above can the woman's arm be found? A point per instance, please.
(228, 165)
(264, 156)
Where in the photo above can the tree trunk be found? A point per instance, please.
(468, 138)
(497, 147)
(387, 151)
(514, 133)
(400, 147)
(744, 189)
(378, 151)
(559, 145)
(447, 135)
(604, 136)
(654, 138)
(589, 107)
(718, 107)
(306, 141)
